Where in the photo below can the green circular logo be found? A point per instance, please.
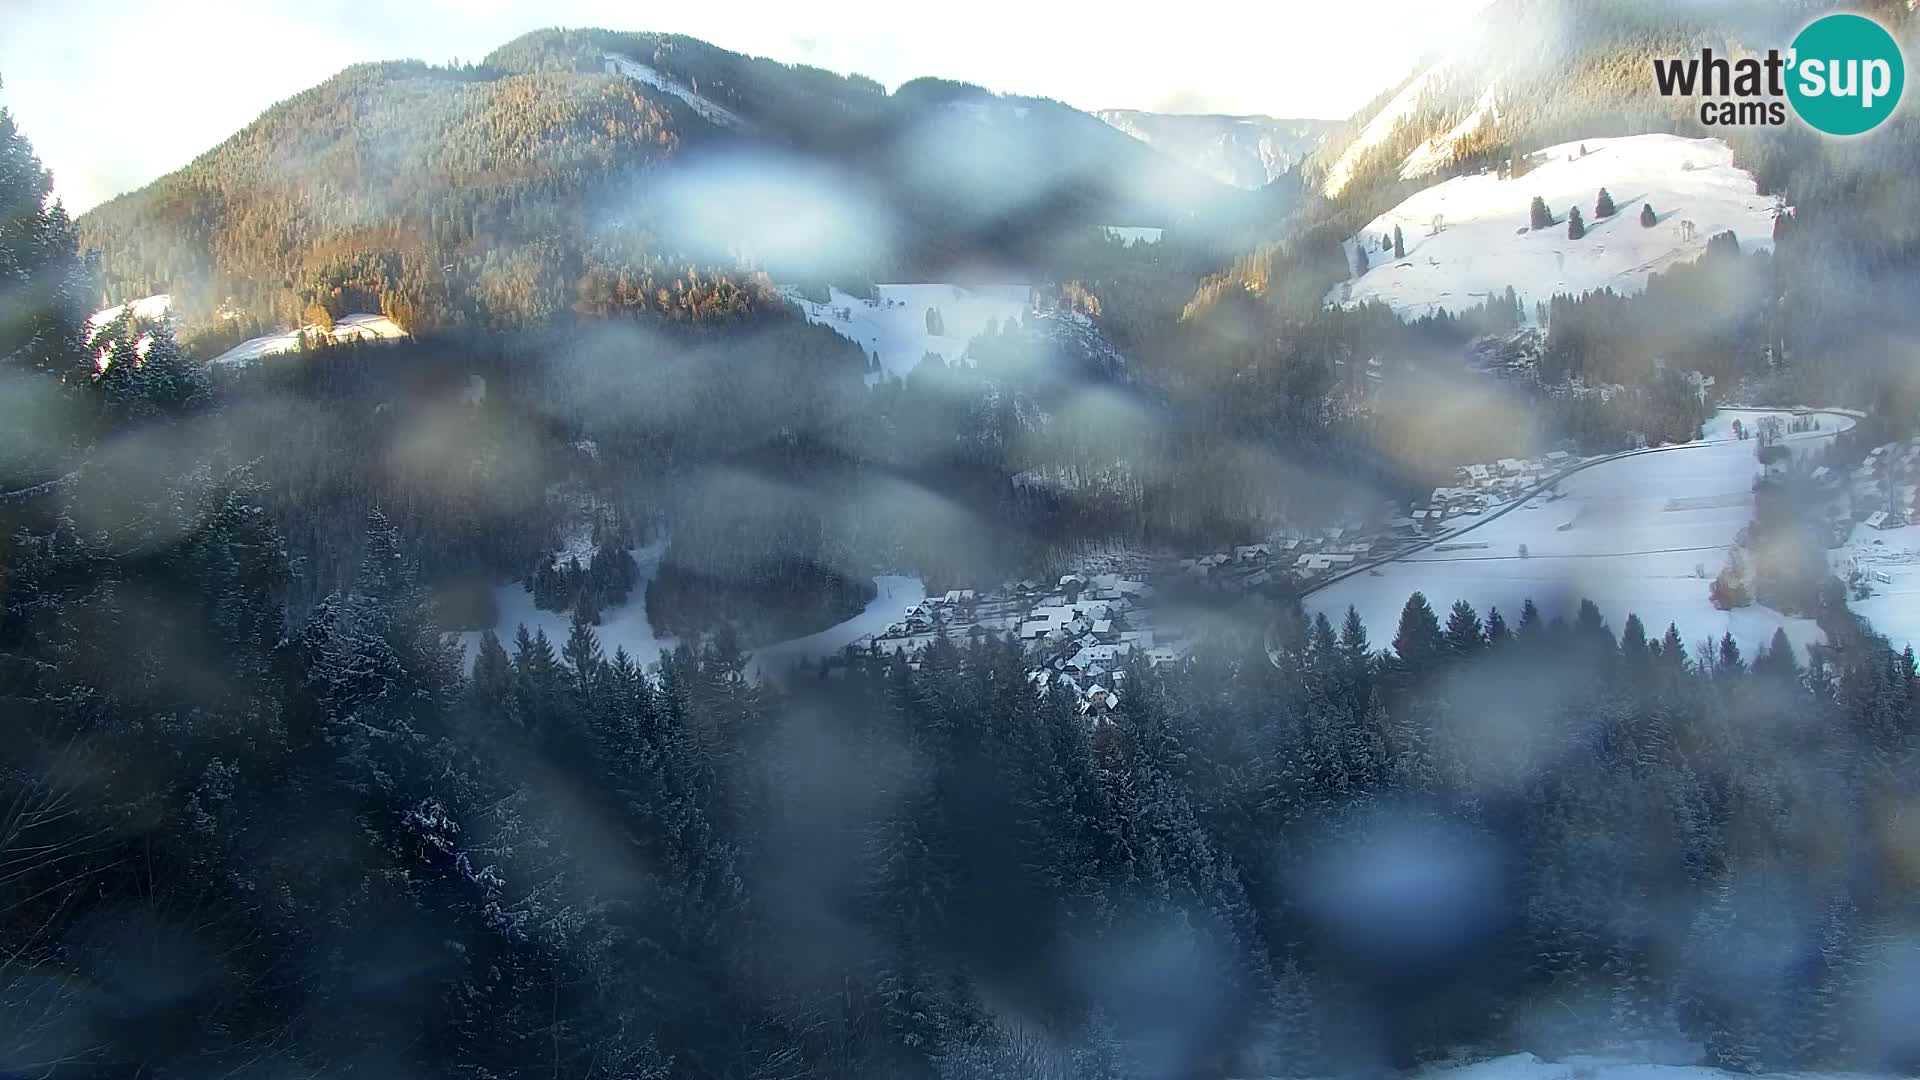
(1845, 75)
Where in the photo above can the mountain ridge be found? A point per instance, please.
(1247, 151)
(560, 174)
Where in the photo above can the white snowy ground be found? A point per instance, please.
(1894, 607)
(1528, 1067)
(1641, 525)
(357, 327)
(148, 307)
(895, 325)
(1485, 245)
(625, 626)
(1134, 234)
(893, 596)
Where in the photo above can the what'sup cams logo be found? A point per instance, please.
(1843, 76)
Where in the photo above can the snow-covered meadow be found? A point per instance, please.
(1890, 561)
(357, 327)
(1484, 244)
(626, 626)
(1639, 534)
(894, 325)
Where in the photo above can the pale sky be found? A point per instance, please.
(114, 93)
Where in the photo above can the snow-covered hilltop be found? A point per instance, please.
(1484, 243)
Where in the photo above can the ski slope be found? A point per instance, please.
(1484, 244)
(360, 327)
(895, 324)
(1642, 529)
(705, 108)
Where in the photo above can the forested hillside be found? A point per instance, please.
(500, 195)
(444, 198)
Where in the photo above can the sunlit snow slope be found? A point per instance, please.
(1484, 244)
(895, 324)
(359, 327)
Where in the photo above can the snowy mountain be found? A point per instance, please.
(1530, 72)
(1484, 243)
(1245, 151)
(490, 190)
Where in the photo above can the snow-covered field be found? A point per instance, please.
(1894, 607)
(1484, 244)
(895, 325)
(625, 626)
(1134, 234)
(357, 327)
(893, 595)
(1528, 1067)
(1641, 529)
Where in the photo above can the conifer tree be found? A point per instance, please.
(1497, 632)
(1399, 244)
(1538, 216)
(1465, 636)
(1603, 206)
(1418, 642)
(1576, 228)
(1647, 217)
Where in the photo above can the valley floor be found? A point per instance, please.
(1640, 534)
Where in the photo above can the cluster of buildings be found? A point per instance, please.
(1884, 486)
(1079, 632)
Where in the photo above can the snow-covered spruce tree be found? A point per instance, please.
(1399, 244)
(1576, 228)
(1603, 206)
(1648, 219)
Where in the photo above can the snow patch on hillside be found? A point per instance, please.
(1378, 130)
(1484, 244)
(149, 307)
(705, 108)
(894, 325)
(1437, 152)
(1134, 234)
(359, 327)
(624, 626)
